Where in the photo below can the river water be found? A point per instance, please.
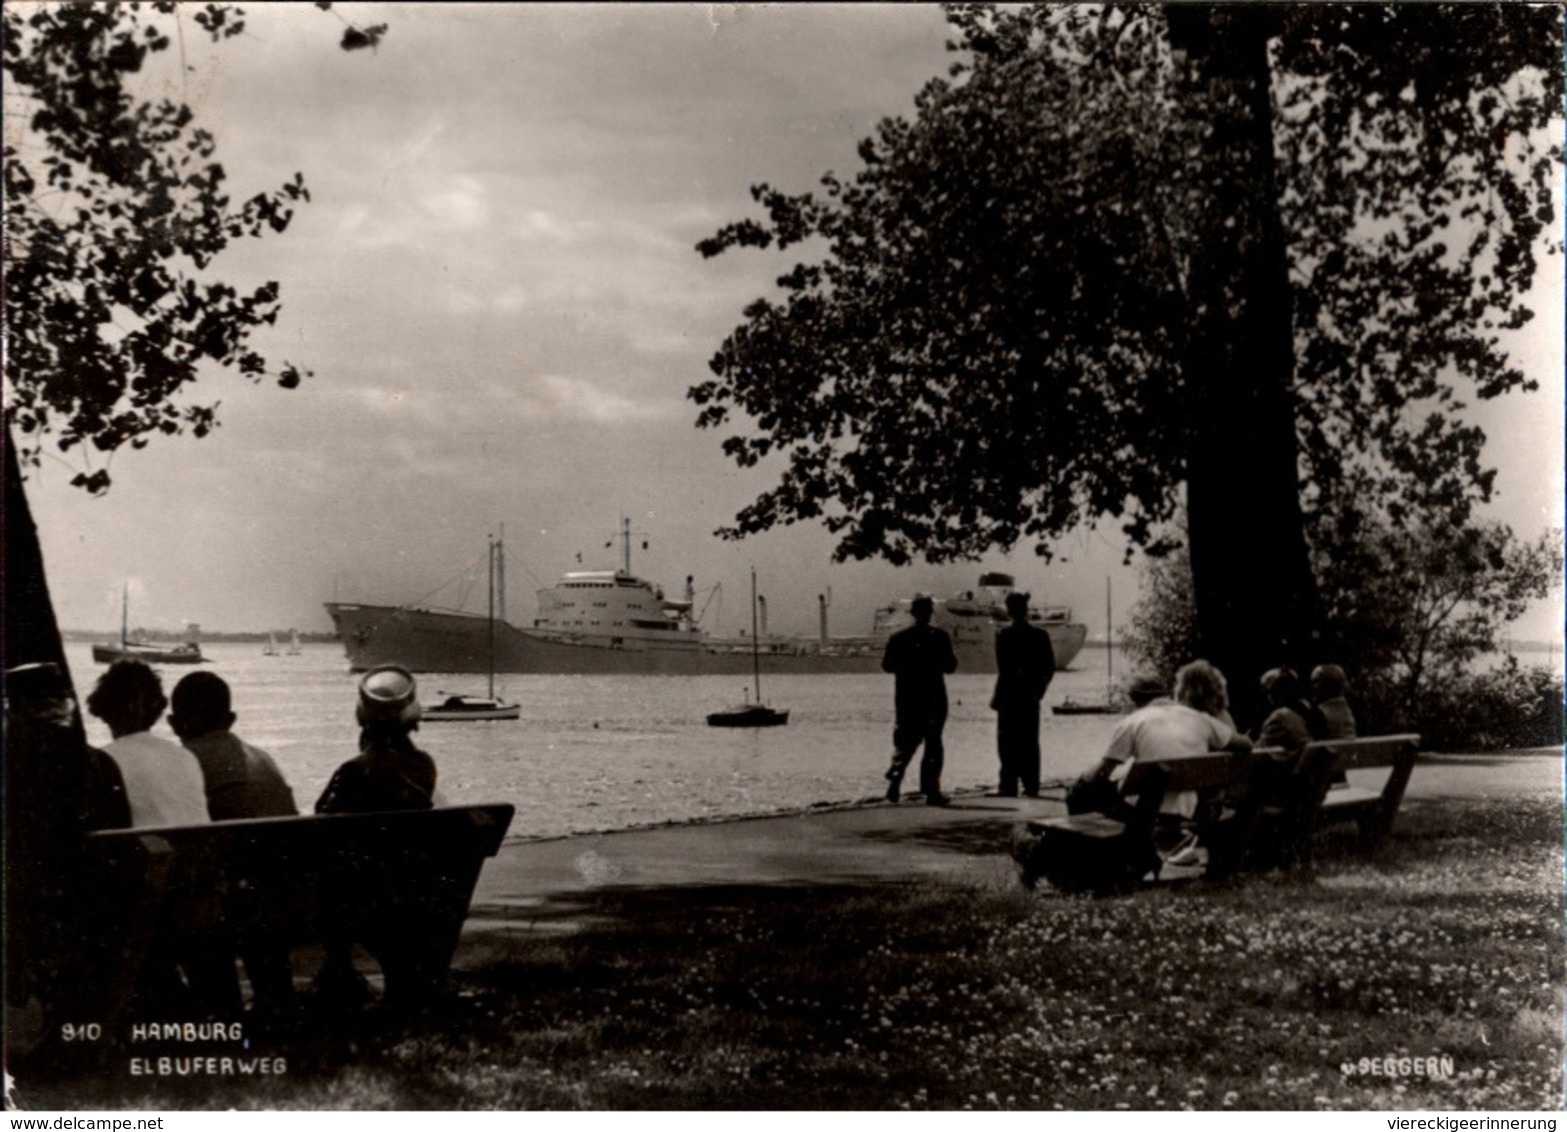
(598, 753)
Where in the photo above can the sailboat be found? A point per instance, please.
(270, 648)
(455, 708)
(1112, 704)
(187, 653)
(293, 642)
(751, 714)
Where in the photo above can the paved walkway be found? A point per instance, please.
(547, 887)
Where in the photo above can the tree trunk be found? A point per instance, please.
(1251, 576)
(31, 633)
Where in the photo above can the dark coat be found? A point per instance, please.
(389, 774)
(920, 657)
(1025, 665)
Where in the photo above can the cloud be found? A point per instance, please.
(556, 396)
(460, 204)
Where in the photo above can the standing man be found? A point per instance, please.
(1025, 665)
(919, 657)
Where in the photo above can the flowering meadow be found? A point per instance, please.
(1426, 976)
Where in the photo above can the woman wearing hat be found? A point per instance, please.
(390, 773)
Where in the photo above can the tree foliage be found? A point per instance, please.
(1409, 610)
(1161, 632)
(1420, 603)
(994, 341)
(116, 208)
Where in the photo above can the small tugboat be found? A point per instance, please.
(749, 714)
(125, 648)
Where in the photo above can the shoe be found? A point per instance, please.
(893, 793)
(938, 800)
(1186, 858)
(1186, 854)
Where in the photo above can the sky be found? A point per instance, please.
(497, 288)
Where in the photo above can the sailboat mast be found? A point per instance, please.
(500, 575)
(125, 599)
(756, 657)
(1109, 641)
(491, 617)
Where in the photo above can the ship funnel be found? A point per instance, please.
(690, 588)
(192, 632)
(821, 606)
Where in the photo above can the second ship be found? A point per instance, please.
(611, 622)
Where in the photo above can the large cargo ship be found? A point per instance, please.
(611, 622)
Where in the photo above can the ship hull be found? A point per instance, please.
(434, 641)
(151, 654)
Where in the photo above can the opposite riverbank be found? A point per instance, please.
(882, 957)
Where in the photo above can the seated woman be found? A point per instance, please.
(389, 773)
(1290, 720)
(1329, 686)
(1195, 722)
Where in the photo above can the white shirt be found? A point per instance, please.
(1162, 731)
(163, 781)
(1167, 730)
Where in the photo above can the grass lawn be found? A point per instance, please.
(1265, 992)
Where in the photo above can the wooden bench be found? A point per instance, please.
(1098, 853)
(1373, 810)
(1298, 798)
(400, 883)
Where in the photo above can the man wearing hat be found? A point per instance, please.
(57, 788)
(919, 657)
(1025, 665)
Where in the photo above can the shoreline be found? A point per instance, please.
(1428, 760)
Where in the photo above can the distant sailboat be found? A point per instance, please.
(1112, 703)
(293, 642)
(270, 648)
(456, 708)
(749, 714)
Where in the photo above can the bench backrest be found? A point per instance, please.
(262, 842)
(1196, 772)
(1371, 751)
(274, 872)
(408, 877)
